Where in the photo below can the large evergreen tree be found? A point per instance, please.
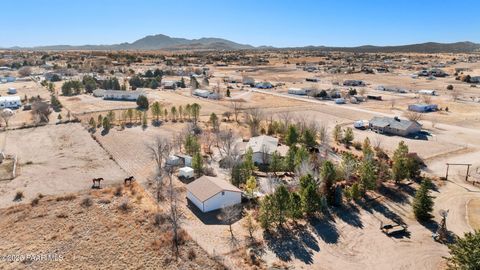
(423, 202)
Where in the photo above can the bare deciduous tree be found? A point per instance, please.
(175, 214)
(6, 114)
(230, 214)
(160, 150)
(427, 99)
(414, 116)
(455, 95)
(236, 109)
(254, 118)
(40, 112)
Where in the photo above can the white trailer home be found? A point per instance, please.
(211, 193)
(118, 94)
(11, 102)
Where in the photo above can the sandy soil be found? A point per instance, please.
(473, 209)
(55, 159)
(101, 236)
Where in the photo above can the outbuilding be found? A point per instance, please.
(186, 172)
(298, 91)
(212, 193)
(11, 102)
(423, 107)
(12, 90)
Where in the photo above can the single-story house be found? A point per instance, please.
(353, 83)
(263, 85)
(263, 147)
(201, 93)
(186, 172)
(169, 85)
(212, 193)
(423, 107)
(118, 94)
(395, 126)
(12, 102)
(298, 91)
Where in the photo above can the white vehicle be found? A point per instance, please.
(361, 124)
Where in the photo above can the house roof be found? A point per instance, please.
(206, 187)
(396, 123)
(263, 143)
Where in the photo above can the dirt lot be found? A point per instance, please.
(55, 159)
(100, 236)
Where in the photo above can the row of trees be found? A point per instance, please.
(190, 112)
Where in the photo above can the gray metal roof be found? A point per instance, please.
(396, 123)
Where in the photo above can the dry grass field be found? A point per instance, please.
(93, 230)
(55, 159)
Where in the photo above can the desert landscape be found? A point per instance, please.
(204, 153)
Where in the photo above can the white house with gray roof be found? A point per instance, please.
(211, 193)
(394, 126)
(263, 147)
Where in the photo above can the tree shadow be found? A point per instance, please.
(297, 242)
(325, 229)
(350, 214)
(370, 205)
(394, 194)
(105, 132)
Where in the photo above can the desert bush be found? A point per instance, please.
(192, 254)
(69, 197)
(159, 219)
(34, 202)
(124, 206)
(118, 191)
(18, 196)
(357, 145)
(86, 202)
(104, 201)
(62, 215)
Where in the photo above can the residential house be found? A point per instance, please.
(394, 126)
(263, 147)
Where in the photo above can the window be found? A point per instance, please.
(223, 193)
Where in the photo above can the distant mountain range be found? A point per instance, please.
(163, 42)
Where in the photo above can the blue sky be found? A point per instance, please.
(256, 22)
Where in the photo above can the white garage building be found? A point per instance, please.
(211, 193)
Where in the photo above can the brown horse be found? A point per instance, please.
(96, 182)
(129, 180)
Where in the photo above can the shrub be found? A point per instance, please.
(159, 219)
(34, 202)
(86, 202)
(104, 201)
(118, 191)
(449, 87)
(62, 215)
(18, 196)
(69, 197)
(357, 145)
(192, 254)
(124, 206)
